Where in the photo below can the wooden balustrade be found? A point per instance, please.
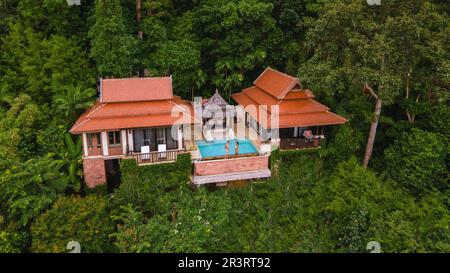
(156, 157)
(299, 143)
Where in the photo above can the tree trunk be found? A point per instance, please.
(373, 126)
(138, 18)
(408, 114)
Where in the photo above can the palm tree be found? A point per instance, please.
(72, 156)
(73, 100)
(199, 81)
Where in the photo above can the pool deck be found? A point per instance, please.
(248, 133)
(230, 169)
(221, 170)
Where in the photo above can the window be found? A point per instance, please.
(94, 140)
(114, 138)
(160, 136)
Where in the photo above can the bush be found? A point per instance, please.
(101, 190)
(84, 220)
(417, 161)
(147, 187)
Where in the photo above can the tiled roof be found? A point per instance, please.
(276, 83)
(296, 107)
(136, 89)
(125, 114)
(310, 119)
(299, 94)
(129, 122)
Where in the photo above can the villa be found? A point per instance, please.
(141, 118)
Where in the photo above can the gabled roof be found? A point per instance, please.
(216, 99)
(217, 107)
(136, 89)
(128, 115)
(135, 103)
(296, 107)
(276, 83)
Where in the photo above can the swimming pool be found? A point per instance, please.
(217, 147)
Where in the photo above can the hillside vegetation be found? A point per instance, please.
(382, 176)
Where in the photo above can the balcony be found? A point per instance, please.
(301, 143)
(156, 157)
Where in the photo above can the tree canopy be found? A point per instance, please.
(383, 176)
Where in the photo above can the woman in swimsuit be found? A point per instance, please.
(227, 148)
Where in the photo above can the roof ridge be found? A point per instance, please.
(294, 80)
(282, 73)
(89, 114)
(138, 78)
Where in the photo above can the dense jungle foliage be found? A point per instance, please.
(355, 57)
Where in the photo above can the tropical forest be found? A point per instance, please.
(382, 176)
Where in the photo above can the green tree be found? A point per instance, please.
(81, 219)
(417, 160)
(72, 156)
(72, 101)
(181, 59)
(54, 17)
(28, 188)
(236, 39)
(112, 47)
(41, 67)
(351, 199)
(193, 224)
(359, 47)
(18, 130)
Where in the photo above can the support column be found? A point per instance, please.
(94, 171)
(105, 143)
(130, 140)
(180, 138)
(123, 136)
(85, 144)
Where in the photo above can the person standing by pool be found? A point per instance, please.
(227, 148)
(236, 148)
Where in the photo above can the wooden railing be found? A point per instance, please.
(299, 143)
(156, 157)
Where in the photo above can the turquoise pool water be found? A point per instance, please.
(217, 147)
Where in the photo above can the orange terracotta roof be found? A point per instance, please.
(276, 83)
(260, 96)
(136, 89)
(296, 108)
(135, 103)
(310, 119)
(128, 122)
(301, 106)
(136, 108)
(107, 116)
(299, 94)
(285, 106)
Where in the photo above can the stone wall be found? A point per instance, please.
(232, 165)
(94, 171)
